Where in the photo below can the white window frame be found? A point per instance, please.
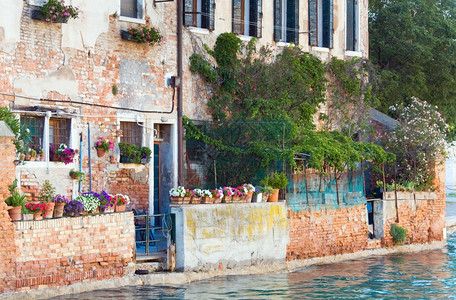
(142, 8)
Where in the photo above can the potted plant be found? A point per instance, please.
(90, 202)
(197, 195)
(145, 154)
(107, 202)
(37, 209)
(55, 11)
(228, 193)
(47, 194)
(15, 202)
(27, 154)
(40, 155)
(73, 208)
(188, 196)
(277, 181)
(142, 34)
(60, 202)
(239, 194)
(77, 175)
(32, 155)
(177, 195)
(217, 195)
(121, 202)
(27, 214)
(103, 145)
(129, 153)
(250, 189)
(207, 196)
(257, 194)
(267, 191)
(62, 153)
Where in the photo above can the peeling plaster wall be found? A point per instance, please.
(230, 235)
(10, 19)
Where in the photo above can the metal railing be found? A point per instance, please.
(152, 233)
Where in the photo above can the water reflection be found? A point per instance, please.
(430, 274)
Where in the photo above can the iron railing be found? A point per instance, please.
(152, 233)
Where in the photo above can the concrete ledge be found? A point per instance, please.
(186, 277)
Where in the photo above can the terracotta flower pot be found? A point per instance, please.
(186, 200)
(101, 152)
(217, 200)
(55, 157)
(274, 197)
(120, 208)
(177, 200)
(208, 200)
(248, 197)
(227, 199)
(48, 213)
(15, 213)
(196, 200)
(58, 209)
(37, 216)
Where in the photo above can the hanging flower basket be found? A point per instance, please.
(142, 34)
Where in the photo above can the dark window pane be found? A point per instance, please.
(36, 127)
(131, 133)
(129, 8)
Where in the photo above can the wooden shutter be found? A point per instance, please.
(277, 20)
(328, 23)
(350, 30)
(313, 23)
(256, 18)
(237, 23)
(188, 8)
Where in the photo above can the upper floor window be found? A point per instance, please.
(199, 13)
(247, 15)
(321, 23)
(286, 21)
(59, 131)
(352, 25)
(132, 9)
(131, 133)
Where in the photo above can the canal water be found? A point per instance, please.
(424, 275)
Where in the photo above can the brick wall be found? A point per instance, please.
(327, 232)
(7, 247)
(421, 213)
(68, 250)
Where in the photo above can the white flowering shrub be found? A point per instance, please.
(417, 141)
(90, 202)
(207, 193)
(177, 192)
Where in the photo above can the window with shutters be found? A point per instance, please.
(321, 23)
(247, 16)
(199, 13)
(286, 21)
(133, 9)
(352, 25)
(131, 133)
(59, 131)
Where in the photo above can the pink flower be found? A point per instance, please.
(50, 11)
(99, 144)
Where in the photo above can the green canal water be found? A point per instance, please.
(424, 275)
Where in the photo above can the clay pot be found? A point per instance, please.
(101, 152)
(58, 210)
(248, 197)
(15, 213)
(55, 157)
(120, 208)
(48, 213)
(196, 200)
(227, 199)
(177, 200)
(217, 200)
(37, 216)
(208, 200)
(274, 197)
(186, 200)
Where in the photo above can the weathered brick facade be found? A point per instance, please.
(65, 251)
(8, 247)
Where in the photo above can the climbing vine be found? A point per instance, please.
(287, 89)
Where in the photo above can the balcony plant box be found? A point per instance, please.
(38, 15)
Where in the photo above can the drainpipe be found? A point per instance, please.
(180, 128)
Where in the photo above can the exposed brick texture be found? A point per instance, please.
(69, 250)
(7, 246)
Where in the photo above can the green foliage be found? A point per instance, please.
(115, 90)
(133, 152)
(146, 35)
(54, 10)
(255, 87)
(76, 174)
(276, 181)
(398, 233)
(413, 43)
(16, 199)
(145, 152)
(22, 135)
(47, 192)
